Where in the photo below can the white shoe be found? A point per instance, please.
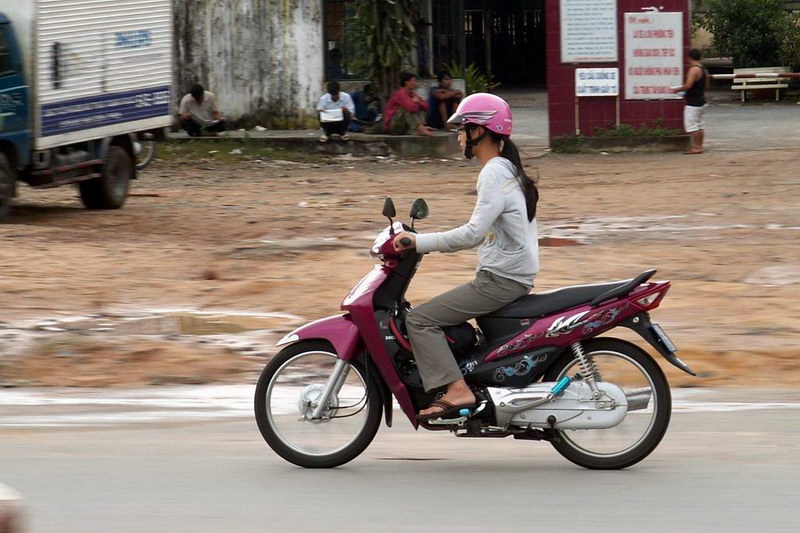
(345, 137)
(323, 139)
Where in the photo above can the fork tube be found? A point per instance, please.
(342, 379)
(336, 376)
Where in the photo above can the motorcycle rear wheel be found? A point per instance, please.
(631, 368)
(285, 396)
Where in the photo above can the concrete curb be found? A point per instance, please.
(439, 145)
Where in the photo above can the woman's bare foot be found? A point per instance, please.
(458, 393)
(694, 151)
(424, 131)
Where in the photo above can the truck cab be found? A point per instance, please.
(75, 96)
(15, 128)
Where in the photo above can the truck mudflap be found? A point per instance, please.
(641, 324)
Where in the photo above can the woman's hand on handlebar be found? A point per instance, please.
(404, 241)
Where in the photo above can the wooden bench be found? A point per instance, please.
(766, 79)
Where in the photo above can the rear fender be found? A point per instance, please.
(640, 323)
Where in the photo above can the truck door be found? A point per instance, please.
(14, 124)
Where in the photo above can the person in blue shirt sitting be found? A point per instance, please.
(367, 109)
(442, 101)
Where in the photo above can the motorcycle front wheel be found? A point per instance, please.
(287, 394)
(649, 407)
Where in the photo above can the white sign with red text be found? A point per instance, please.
(653, 55)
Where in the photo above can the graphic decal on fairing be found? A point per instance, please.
(563, 325)
(519, 344)
(520, 368)
(603, 318)
(468, 366)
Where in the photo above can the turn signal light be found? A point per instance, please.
(648, 300)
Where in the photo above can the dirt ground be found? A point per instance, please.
(209, 236)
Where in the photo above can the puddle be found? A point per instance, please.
(180, 323)
(239, 331)
(775, 276)
(586, 230)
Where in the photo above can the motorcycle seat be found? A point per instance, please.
(544, 303)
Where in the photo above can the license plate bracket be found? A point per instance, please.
(663, 338)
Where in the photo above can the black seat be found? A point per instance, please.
(543, 303)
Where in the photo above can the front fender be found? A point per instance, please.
(339, 330)
(342, 333)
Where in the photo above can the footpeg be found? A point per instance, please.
(463, 416)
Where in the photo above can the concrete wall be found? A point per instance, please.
(262, 58)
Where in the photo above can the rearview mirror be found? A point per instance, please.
(388, 208)
(419, 209)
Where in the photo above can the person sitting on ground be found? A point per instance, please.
(367, 109)
(199, 113)
(335, 112)
(405, 110)
(442, 102)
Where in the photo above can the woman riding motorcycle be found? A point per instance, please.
(503, 222)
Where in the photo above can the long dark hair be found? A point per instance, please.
(527, 183)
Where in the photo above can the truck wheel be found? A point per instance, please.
(7, 182)
(110, 190)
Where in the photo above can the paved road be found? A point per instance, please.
(729, 125)
(727, 464)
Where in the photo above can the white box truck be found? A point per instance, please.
(80, 81)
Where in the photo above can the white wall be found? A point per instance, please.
(257, 56)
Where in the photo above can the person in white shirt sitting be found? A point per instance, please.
(199, 113)
(335, 111)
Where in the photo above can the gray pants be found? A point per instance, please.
(486, 293)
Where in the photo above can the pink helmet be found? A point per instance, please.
(484, 109)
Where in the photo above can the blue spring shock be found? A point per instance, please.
(561, 385)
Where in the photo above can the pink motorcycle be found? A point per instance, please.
(538, 368)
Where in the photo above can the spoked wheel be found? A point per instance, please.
(145, 151)
(649, 407)
(286, 398)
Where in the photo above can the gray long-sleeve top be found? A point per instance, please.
(500, 221)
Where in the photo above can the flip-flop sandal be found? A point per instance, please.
(449, 410)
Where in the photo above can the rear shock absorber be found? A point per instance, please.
(588, 366)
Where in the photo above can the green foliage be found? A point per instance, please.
(755, 33)
(474, 79)
(390, 38)
(576, 144)
(655, 129)
(569, 144)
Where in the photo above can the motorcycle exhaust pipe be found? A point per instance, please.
(638, 399)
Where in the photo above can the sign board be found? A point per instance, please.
(653, 55)
(588, 31)
(596, 82)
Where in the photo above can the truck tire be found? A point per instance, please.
(110, 190)
(7, 184)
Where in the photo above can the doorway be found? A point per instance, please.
(504, 38)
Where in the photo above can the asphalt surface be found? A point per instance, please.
(728, 463)
(730, 126)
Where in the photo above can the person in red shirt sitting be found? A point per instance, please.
(405, 110)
